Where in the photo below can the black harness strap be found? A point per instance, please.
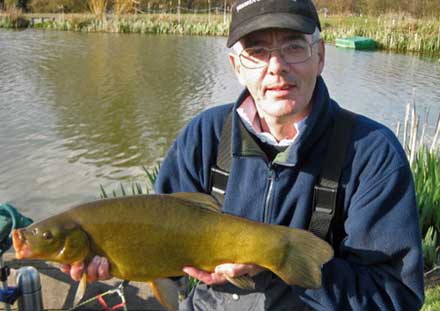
(326, 190)
(220, 172)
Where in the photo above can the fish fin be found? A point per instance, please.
(302, 256)
(166, 292)
(243, 281)
(205, 200)
(81, 290)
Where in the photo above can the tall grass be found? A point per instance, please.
(124, 6)
(424, 158)
(140, 23)
(397, 32)
(432, 300)
(98, 7)
(13, 18)
(426, 171)
(392, 32)
(136, 187)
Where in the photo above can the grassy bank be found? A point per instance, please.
(188, 24)
(392, 32)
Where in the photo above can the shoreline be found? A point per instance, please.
(392, 32)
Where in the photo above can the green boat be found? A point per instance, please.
(358, 43)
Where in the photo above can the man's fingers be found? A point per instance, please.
(198, 274)
(92, 269)
(205, 277)
(76, 271)
(65, 268)
(234, 270)
(97, 269)
(104, 269)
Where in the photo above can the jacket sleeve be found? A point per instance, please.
(380, 266)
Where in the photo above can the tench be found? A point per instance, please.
(149, 237)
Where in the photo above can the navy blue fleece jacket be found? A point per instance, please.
(379, 262)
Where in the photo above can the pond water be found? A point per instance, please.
(82, 110)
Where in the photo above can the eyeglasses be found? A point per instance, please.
(293, 52)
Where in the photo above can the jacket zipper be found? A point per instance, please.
(267, 200)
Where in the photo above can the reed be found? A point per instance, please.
(124, 6)
(424, 158)
(392, 32)
(98, 7)
(396, 32)
(426, 171)
(13, 18)
(414, 135)
(136, 187)
(139, 23)
(430, 250)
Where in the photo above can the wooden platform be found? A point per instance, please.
(59, 289)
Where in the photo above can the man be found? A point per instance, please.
(279, 136)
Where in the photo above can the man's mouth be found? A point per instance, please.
(279, 90)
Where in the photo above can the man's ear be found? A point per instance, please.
(236, 66)
(321, 56)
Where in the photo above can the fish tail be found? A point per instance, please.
(301, 258)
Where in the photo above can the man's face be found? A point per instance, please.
(281, 91)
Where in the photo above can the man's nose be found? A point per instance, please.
(277, 64)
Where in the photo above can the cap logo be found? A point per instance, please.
(245, 4)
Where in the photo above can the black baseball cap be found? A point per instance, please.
(252, 15)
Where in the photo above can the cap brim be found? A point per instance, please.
(275, 20)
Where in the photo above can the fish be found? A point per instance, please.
(150, 238)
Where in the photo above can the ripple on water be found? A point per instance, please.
(82, 110)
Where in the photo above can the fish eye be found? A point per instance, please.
(47, 235)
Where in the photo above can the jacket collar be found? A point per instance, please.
(243, 144)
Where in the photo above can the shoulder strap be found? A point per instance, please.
(326, 189)
(220, 171)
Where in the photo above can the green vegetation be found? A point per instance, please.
(392, 32)
(432, 299)
(425, 8)
(426, 169)
(136, 187)
(142, 23)
(397, 32)
(425, 164)
(401, 25)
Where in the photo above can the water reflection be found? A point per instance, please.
(80, 110)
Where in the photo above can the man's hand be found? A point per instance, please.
(218, 276)
(97, 269)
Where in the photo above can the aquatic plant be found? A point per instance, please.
(124, 6)
(97, 7)
(426, 171)
(430, 249)
(391, 32)
(135, 187)
(13, 18)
